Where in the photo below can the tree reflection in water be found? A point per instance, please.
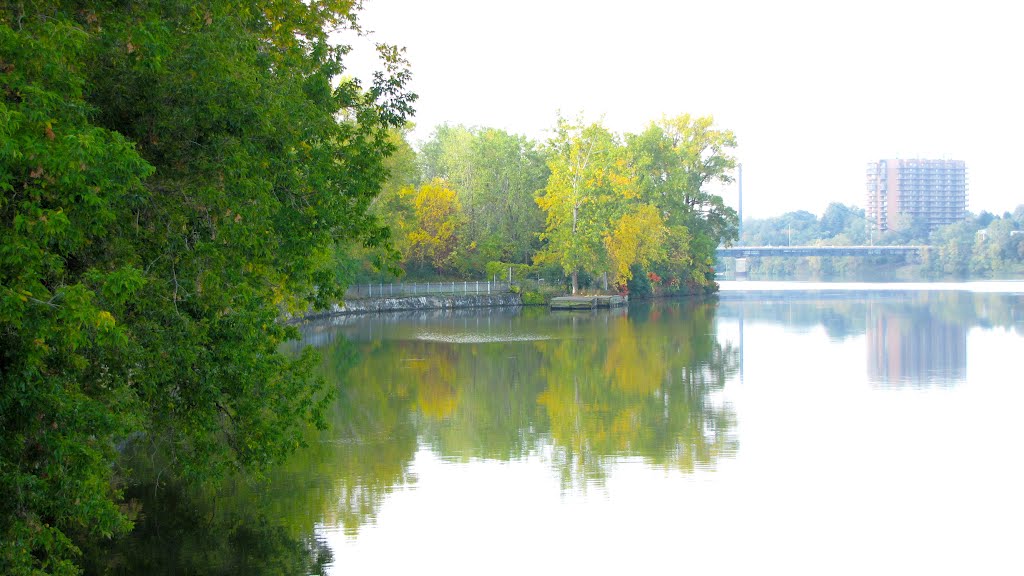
(185, 531)
(579, 391)
(583, 390)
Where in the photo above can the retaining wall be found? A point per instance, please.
(368, 305)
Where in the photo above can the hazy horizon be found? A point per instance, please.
(813, 91)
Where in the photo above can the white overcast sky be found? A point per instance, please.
(813, 90)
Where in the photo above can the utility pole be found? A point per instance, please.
(739, 228)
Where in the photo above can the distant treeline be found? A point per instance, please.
(983, 245)
(587, 206)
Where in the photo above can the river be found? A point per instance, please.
(808, 428)
(790, 428)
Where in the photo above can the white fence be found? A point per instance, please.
(387, 290)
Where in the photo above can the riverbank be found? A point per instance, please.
(406, 303)
(354, 306)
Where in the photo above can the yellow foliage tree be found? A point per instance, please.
(432, 239)
(589, 182)
(637, 238)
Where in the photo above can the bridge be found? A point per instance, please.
(797, 251)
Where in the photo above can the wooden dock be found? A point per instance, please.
(588, 302)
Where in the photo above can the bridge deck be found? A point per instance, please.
(753, 251)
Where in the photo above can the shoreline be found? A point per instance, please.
(412, 303)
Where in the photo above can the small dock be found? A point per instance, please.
(587, 302)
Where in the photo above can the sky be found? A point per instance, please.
(813, 90)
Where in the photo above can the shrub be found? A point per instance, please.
(639, 285)
(533, 299)
(500, 270)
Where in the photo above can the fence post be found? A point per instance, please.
(477, 290)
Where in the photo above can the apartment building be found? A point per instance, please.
(903, 190)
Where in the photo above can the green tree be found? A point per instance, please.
(997, 248)
(175, 176)
(1018, 215)
(905, 229)
(66, 394)
(676, 160)
(383, 261)
(840, 219)
(496, 175)
(953, 246)
(589, 178)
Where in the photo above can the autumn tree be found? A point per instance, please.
(677, 160)
(430, 239)
(495, 175)
(637, 237)
(589, 180)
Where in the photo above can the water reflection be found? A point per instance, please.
(221, 530)
(579, 390)
(583, 391)
(914, 338)
(585, 399)
(914, 348)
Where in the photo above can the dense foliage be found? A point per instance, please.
(588, 205)
(983, 245)
(178, 177)
(492, 217)
(175, 176)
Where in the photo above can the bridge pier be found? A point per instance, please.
(741, 268)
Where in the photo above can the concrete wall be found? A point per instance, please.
(369, 305)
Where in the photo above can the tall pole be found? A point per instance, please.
(739, 229)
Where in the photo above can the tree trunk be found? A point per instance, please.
(575, 282)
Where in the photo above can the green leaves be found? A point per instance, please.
(174, 177)
(495, 175)
(119, 286)
(611, 206)
(62, 398)
(675, 159)
(584, 193)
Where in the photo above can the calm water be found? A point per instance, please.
(784, 428)
(805, 428)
